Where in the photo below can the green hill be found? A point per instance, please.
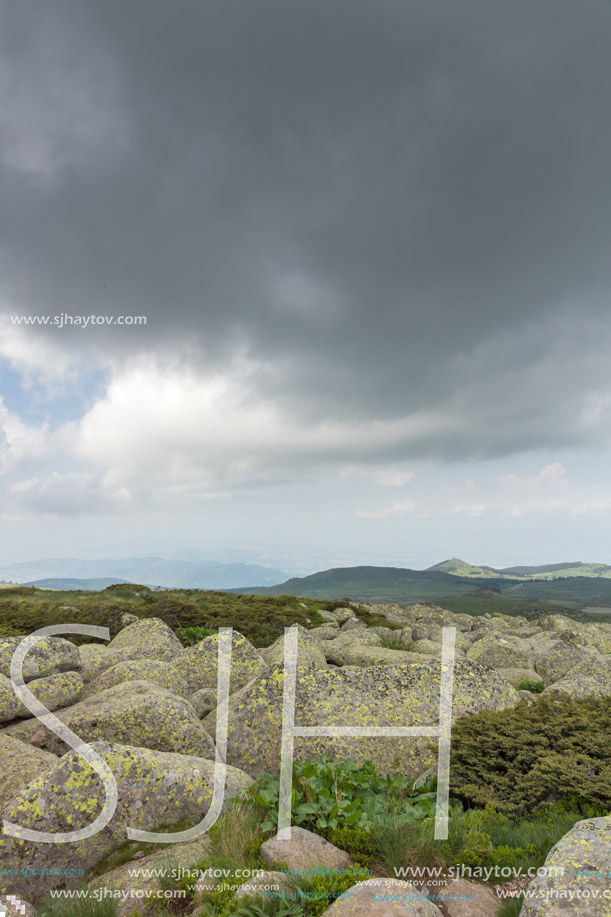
(458, 567)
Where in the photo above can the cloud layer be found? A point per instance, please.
(365, 235)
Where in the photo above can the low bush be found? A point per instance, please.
(517, 760)
(535, 687)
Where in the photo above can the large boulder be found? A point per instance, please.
(19, 765)
(583, 634)
(517, 676)
(148, 638)
(304, 852)
(379, 695)
(10, 705)
(382, 898)
(154, 790)
(159, 673)
(579, 686)
(54, 691)
(500, 652)
(199, 664)
(47, 657)
(132, 713)
(309, 652)
(13, 906)
(583, 857)
(139, 879)
(558, 659)
(94, 658)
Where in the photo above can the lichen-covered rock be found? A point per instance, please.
(517, 676)
(159, 673)
(148, 638)
(583, 634)
(382, 695)
(326, 631)
(47, 657)
(579, 686)
(131, 713)
(303, 852)
(15, 906)
(353, 623)
(558, 659)
(54, 691)
(309, 652)
(597, 666)
(427, 631)
(154, 790)
(584, 855)
(203, 701)
(267, 881)
(383, 898)
(127, 619)
(198, 664)
(19, 764)
(387, 632)
(138, 876)
(426, 648)
(9, 702)
(353, 652)
(498, 652)
(338, 614)
(94, 658)
(468, 899)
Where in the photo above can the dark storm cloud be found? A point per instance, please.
(379, 202)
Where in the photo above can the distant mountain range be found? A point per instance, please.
(148, 571)
(95, 584)
(556, 583)
(573, 584)
(458, 567)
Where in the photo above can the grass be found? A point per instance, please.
(77, 907)
(511, 908)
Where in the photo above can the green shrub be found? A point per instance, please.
(484, 838)
(189, 636)
(535, 687)
(392, 643)
(359, 843)
(517, 760)
(328, 794)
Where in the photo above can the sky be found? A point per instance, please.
(367, 244)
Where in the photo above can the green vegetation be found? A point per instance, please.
(535, 687)
(512, 908)
(189, 636)
(491, 603)
(329, 795)
(517, 760)
(77, 907)
(261, 619)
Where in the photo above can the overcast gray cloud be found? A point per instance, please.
(366, 200)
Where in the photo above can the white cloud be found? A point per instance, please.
(396, 509)
(554, 474)
(477, 509)
(33, 357)
(392, 477)
(509, 479)
(18, 442)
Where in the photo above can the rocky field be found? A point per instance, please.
(147, 704)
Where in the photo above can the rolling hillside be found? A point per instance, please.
(459, 567)
(404, 586)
